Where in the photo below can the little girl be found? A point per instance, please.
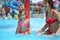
(23, 24)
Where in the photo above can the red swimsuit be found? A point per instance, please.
(49, 22)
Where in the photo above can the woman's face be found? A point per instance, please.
(45, 1)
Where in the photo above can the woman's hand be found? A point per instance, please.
(39, 32)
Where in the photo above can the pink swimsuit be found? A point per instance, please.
(21, 24)
(25, 24)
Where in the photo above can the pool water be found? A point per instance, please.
(8, 29)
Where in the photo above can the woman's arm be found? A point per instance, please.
(43, 29)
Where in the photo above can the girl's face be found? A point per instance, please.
(23, 15)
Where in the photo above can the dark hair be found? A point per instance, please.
(59, 0)
(50, 2)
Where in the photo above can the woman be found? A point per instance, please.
(52, 19)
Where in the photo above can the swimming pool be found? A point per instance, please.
(8, 29)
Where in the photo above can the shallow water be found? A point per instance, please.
(8, 29)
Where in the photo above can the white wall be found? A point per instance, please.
(36, 1)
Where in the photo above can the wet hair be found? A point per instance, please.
(50, 2)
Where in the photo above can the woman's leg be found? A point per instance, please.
(58, 31)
